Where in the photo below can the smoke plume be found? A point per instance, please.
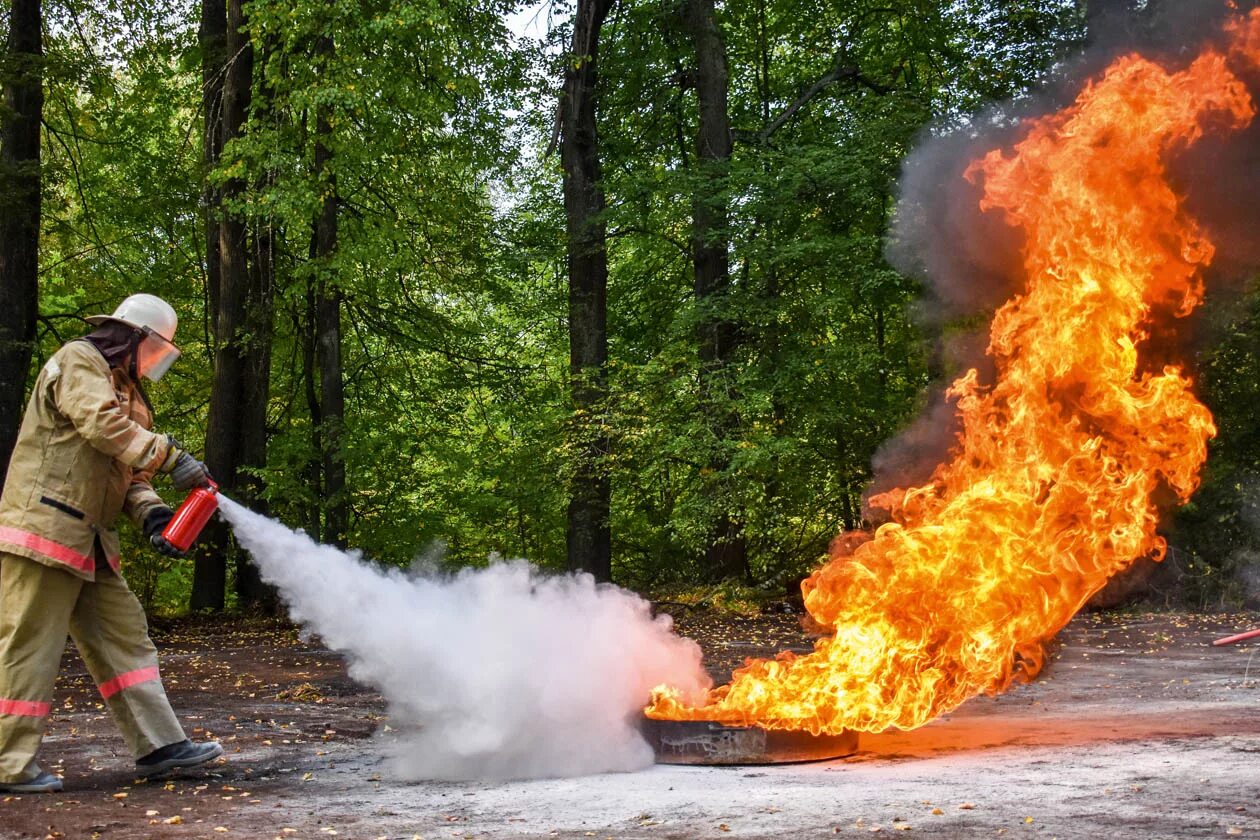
(495, 673)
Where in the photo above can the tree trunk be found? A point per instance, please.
(332, 396)
(209, 569)
(763, 234)
(251, 591)
(212, 38)
(19, 214)
(236, 433)
(726, 554)
(314, 472)
(588, 535)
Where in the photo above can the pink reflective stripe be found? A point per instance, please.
(24, 708)
(127, 680)
(48, 548)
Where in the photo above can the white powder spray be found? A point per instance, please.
(495, 673)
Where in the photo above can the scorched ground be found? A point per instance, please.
(1137, 729)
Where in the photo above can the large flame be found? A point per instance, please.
(1056, 477)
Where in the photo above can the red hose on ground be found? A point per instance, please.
(1229, 640)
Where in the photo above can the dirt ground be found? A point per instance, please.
(1137, 729)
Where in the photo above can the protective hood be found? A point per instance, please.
(116, 341)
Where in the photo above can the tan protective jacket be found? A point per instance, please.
(83, 456)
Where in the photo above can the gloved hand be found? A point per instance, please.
(155, 522)
(186, 471)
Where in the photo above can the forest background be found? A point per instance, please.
(598, 284)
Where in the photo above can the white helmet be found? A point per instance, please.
(156, 319)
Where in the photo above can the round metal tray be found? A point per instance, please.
(713, 743)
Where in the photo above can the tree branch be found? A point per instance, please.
(840, 71)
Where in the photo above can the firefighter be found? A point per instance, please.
(85, 454)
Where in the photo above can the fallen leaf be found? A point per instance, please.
(967, 806)
(175, 820)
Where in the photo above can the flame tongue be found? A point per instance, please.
(1052, 486)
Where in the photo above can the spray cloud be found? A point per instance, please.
(495, 673)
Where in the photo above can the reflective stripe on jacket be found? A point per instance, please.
(83, 456)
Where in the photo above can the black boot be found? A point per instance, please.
(183, 754)
(43, 783)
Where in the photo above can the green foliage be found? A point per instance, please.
(830, 363)
(728, 596)
(1219, 529)
(451, 257)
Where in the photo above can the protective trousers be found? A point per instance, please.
(38, 606)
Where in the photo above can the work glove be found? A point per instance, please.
(155, 522)
(186, 471)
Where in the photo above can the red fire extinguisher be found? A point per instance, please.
(184, 528)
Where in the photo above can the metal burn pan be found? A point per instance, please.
(713, 743)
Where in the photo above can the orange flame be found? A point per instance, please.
(1053, 484)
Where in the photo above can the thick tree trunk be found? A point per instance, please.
(589, 536)
(236, 433)
(251, 591)
(212, 37)
(210, 565)
(727, 554)
(332, 395)
(209, 569)
(19, 214)
(314, 470)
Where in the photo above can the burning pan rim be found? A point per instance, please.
(712, 743)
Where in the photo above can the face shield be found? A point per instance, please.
(154, 356)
